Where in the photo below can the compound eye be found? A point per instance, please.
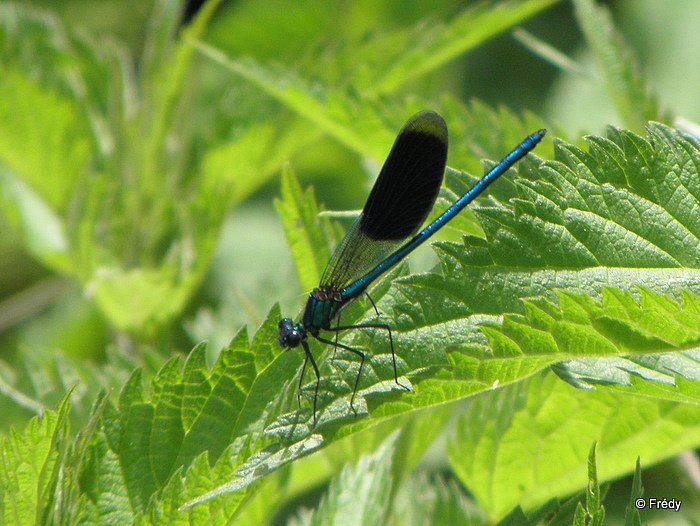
(288, 335)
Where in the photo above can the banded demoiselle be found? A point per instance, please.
(397, 206)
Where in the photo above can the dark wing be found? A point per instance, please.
(399, 202)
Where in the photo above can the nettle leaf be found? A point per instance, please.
(370, 480)
(299, 208)
(449, 330)
(205, 441)
(593, 230)
(41, 134)
(33, 475)
(651, 187)
(38, 381)
(620, 215)
(191, 414)
(619, 68)
(538, 429)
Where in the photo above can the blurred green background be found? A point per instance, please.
(250, 268)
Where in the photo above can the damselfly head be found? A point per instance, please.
(288, 336)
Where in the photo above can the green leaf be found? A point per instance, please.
(443, 43)
(358, 127)
(540, 428)
(611, 217)
(632, 517)
(257, 153)
(244, 411)
(594, 508)
(425, 499)
(369, 480)
(306, 232)
(623, 80)
(39, 381)
(190, 411)
(42, 137)
(551, 512)
(42, 230)
(29, 481)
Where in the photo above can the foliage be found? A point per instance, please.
(89, 180)
(566, 313)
